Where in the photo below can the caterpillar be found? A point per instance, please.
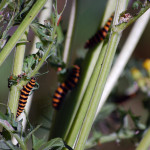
(24, 95)
(100, 35)
(64, 87)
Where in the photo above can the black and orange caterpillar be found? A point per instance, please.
(24, 95)
(100, 34)
(64, 87)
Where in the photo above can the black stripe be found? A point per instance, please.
(68, 85)
(105, 30)
(22, 102)
(23, 97)
(74, 76)
(64, 88)
(22, 93)
(59, 98)
(107, 25)
(26, 90)
(29, 87)
(21, 106)
(101, 33)
(72, 81)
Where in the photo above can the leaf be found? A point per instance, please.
(29, 135)
(57, 142)
(37, 143)
(7, 145)
(27, 7)
(3, 145)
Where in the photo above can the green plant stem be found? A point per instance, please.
(17, 69)
(144, 144)
(20, 30)
(84, 105)
(45, 55)
(98, 82)
(67, 114)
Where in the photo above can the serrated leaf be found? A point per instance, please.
(37, 143)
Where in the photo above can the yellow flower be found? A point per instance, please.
(146, 64)
(136, 73)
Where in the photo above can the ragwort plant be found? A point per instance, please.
(79, 115)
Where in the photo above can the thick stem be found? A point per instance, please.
(72, 103)
(17, 69)
(100, 82)
(22, 27)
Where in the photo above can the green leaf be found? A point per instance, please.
(3, 145)
(7, 145)
(37, 143)
(57, 142)
(29, 135)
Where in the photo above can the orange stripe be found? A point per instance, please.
(106, 28)
(64, 86)
(26, 88)
(56, 100)
(104, 33)
(57, 95)
(22, 104)
(21, 108)
(29, 85)
(75, 80)
(23, 96)
(108, 23)
(60, 90)
(32, 83)
(55, 105)
(24, 91)
(22, 100)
